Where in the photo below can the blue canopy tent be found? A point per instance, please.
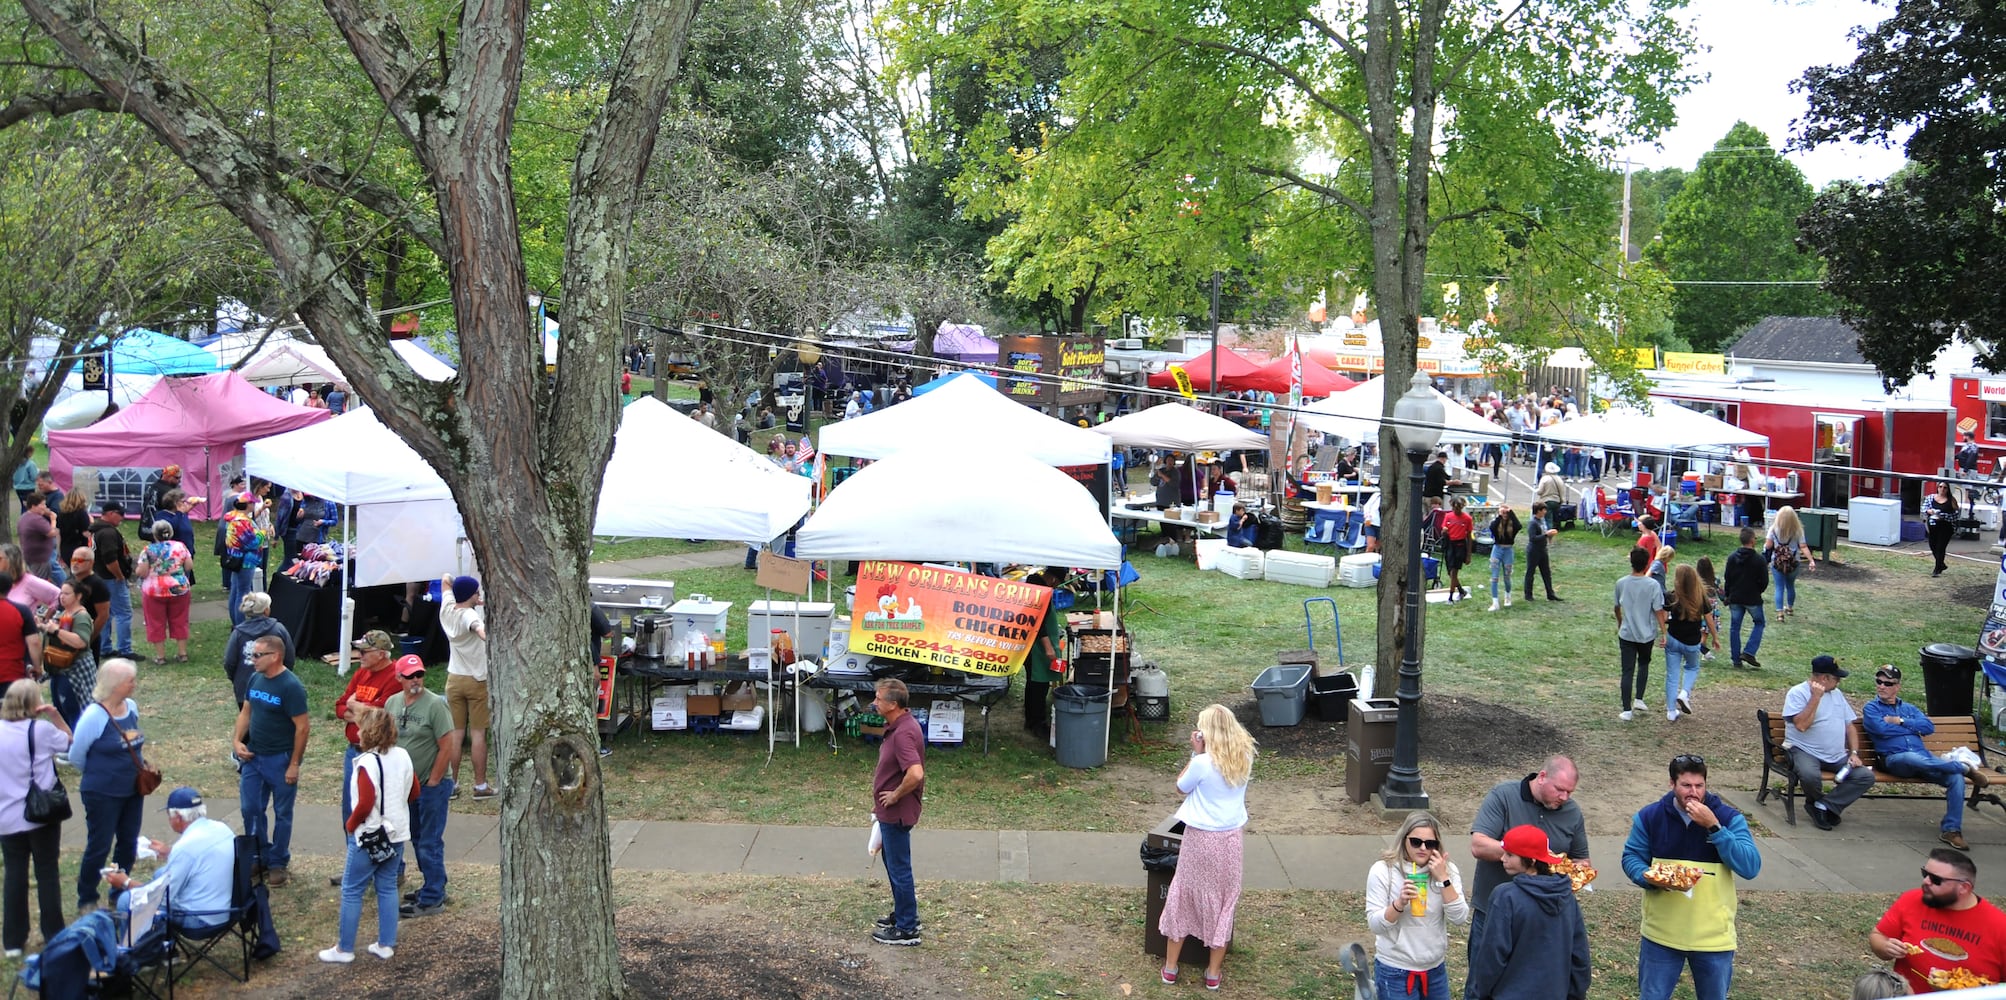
(926, 387)
(147, 352)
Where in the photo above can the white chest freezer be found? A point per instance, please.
(1874, 521)
(706, 616)
(811, 636)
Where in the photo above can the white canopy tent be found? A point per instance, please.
(1355, 416)
(289, 362)
(672, 477)
(961, 506)
(1181, 428)
(964, 415)
(1659, 426)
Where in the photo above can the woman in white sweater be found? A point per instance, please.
(1412, 895)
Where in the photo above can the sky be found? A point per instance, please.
(1757, 48)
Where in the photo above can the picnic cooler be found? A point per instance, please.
(697, 614)
(1359, 569)
(1304, 568)
(1283, 692)
(762, 617)
(1246, 564)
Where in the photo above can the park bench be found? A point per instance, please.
(1951, 731)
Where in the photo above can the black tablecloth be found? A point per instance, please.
(311, 612)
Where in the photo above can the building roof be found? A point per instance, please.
(1813, 339)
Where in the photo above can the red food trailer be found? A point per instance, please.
(1860, 440)
(1980, 400)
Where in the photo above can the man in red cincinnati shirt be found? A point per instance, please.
(372, 683)
(897, 788)
(20, 640)
(1944, 924)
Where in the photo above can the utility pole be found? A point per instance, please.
(1213, 386)
(1623, 249)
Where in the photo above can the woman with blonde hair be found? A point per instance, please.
(1689, 624)
(1785, 546)
(1206, 888)
(31, 735)
(109, 746)
(1412, 894)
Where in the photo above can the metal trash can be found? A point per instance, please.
(1949, 677)
(1821, 528)
(1168, 834)
(1368, 745)
(1080, 725)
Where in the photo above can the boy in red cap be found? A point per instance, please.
(1534, 938)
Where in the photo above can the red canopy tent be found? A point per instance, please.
(1231, 366)
(1318, 381)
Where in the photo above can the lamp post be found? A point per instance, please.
(1417, 417)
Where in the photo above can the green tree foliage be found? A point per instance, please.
(1915, 261)
(1734, 219)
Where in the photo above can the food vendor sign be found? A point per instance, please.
(946, 618)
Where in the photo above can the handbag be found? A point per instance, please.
(146, 777)
(50, 804)
(376, 843)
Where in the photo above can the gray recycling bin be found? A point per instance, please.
(1080, 724)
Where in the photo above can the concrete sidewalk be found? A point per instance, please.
(212, 611)
(1878, 850)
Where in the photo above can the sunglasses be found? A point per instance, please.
(1879, 682)
(1419, 844)
(1688, 759)
(1934, 879)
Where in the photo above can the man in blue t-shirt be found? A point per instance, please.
(270, 739)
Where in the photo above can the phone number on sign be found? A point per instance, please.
(886, 642)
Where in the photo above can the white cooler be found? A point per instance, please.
(762, 617)
(1356, 570)
(705, 616)
(1303, 568)
(1987, 516)
(1874, 521)
(1247, 564)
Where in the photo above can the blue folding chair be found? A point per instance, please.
(1327, 529)
(1354, 535)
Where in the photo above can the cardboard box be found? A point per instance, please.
(1711, 483)
(1208, 517)
(671, 711)
(739, 696)
(704, 704)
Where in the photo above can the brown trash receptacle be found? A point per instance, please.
(1368, 744)
(1169, 833)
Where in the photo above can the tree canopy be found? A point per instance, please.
(1915, 260)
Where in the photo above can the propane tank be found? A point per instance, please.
(1149, 681)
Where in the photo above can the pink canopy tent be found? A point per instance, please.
(199, 423)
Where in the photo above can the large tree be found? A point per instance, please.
(1915, 261)
(522, 454)
(1729, 242)
(1190, 136)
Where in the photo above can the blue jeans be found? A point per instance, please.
(1682, 670)
(1392, 982)
(1785, 586)
(1936, 771)
(428, 839)
(118, 638)
(111, 830)
(1658, 971)
(63, 695)
(898, 870)
(262, 779)
(356, 878)
(240, 582)
(1502, 557)
(1734, 646)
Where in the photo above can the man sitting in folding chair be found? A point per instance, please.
(203, 870)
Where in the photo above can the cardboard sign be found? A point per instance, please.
(780, 573)
(946, 618)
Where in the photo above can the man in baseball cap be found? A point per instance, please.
(200, 864)
(1817, 734)
(1535, 938)
(426, 731)
(1897, 729)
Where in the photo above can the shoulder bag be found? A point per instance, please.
(376, 843)
(50, 804)
(146, 777)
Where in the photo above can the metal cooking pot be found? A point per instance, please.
(651, 636)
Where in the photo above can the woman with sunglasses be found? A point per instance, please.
(1412, 895)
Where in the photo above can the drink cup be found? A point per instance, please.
(1419, 906)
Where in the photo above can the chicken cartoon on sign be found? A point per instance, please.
(888, 612)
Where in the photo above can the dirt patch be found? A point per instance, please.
(1972, 595)
(1834, 571)
(664, 953)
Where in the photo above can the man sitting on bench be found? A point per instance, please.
(1817, 734)
(1897, 729)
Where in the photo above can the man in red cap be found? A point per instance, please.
(426, 731)
(1534, 939)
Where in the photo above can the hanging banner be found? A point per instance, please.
(1183, 379)
(1685, 363)
(1992, 635)
(946, 618)
(96, 369)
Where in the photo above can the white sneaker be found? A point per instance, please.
(337, 956)
(1507, 600)
(1685, 704)
(381, 952)
(1708, 655)
(1494, 605)
(1639, 705)
(1671, 715)
(1625, 716)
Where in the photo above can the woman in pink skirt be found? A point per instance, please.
(1206, 888)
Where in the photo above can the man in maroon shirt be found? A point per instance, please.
(897, 789)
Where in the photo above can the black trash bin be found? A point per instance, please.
(1330, 696)
(1168, 836)
(1949, 678)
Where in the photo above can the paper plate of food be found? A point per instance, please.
(1959, 978)
(1676, 877)
(1578, 872)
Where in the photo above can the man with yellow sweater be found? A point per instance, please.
(1693, 827)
